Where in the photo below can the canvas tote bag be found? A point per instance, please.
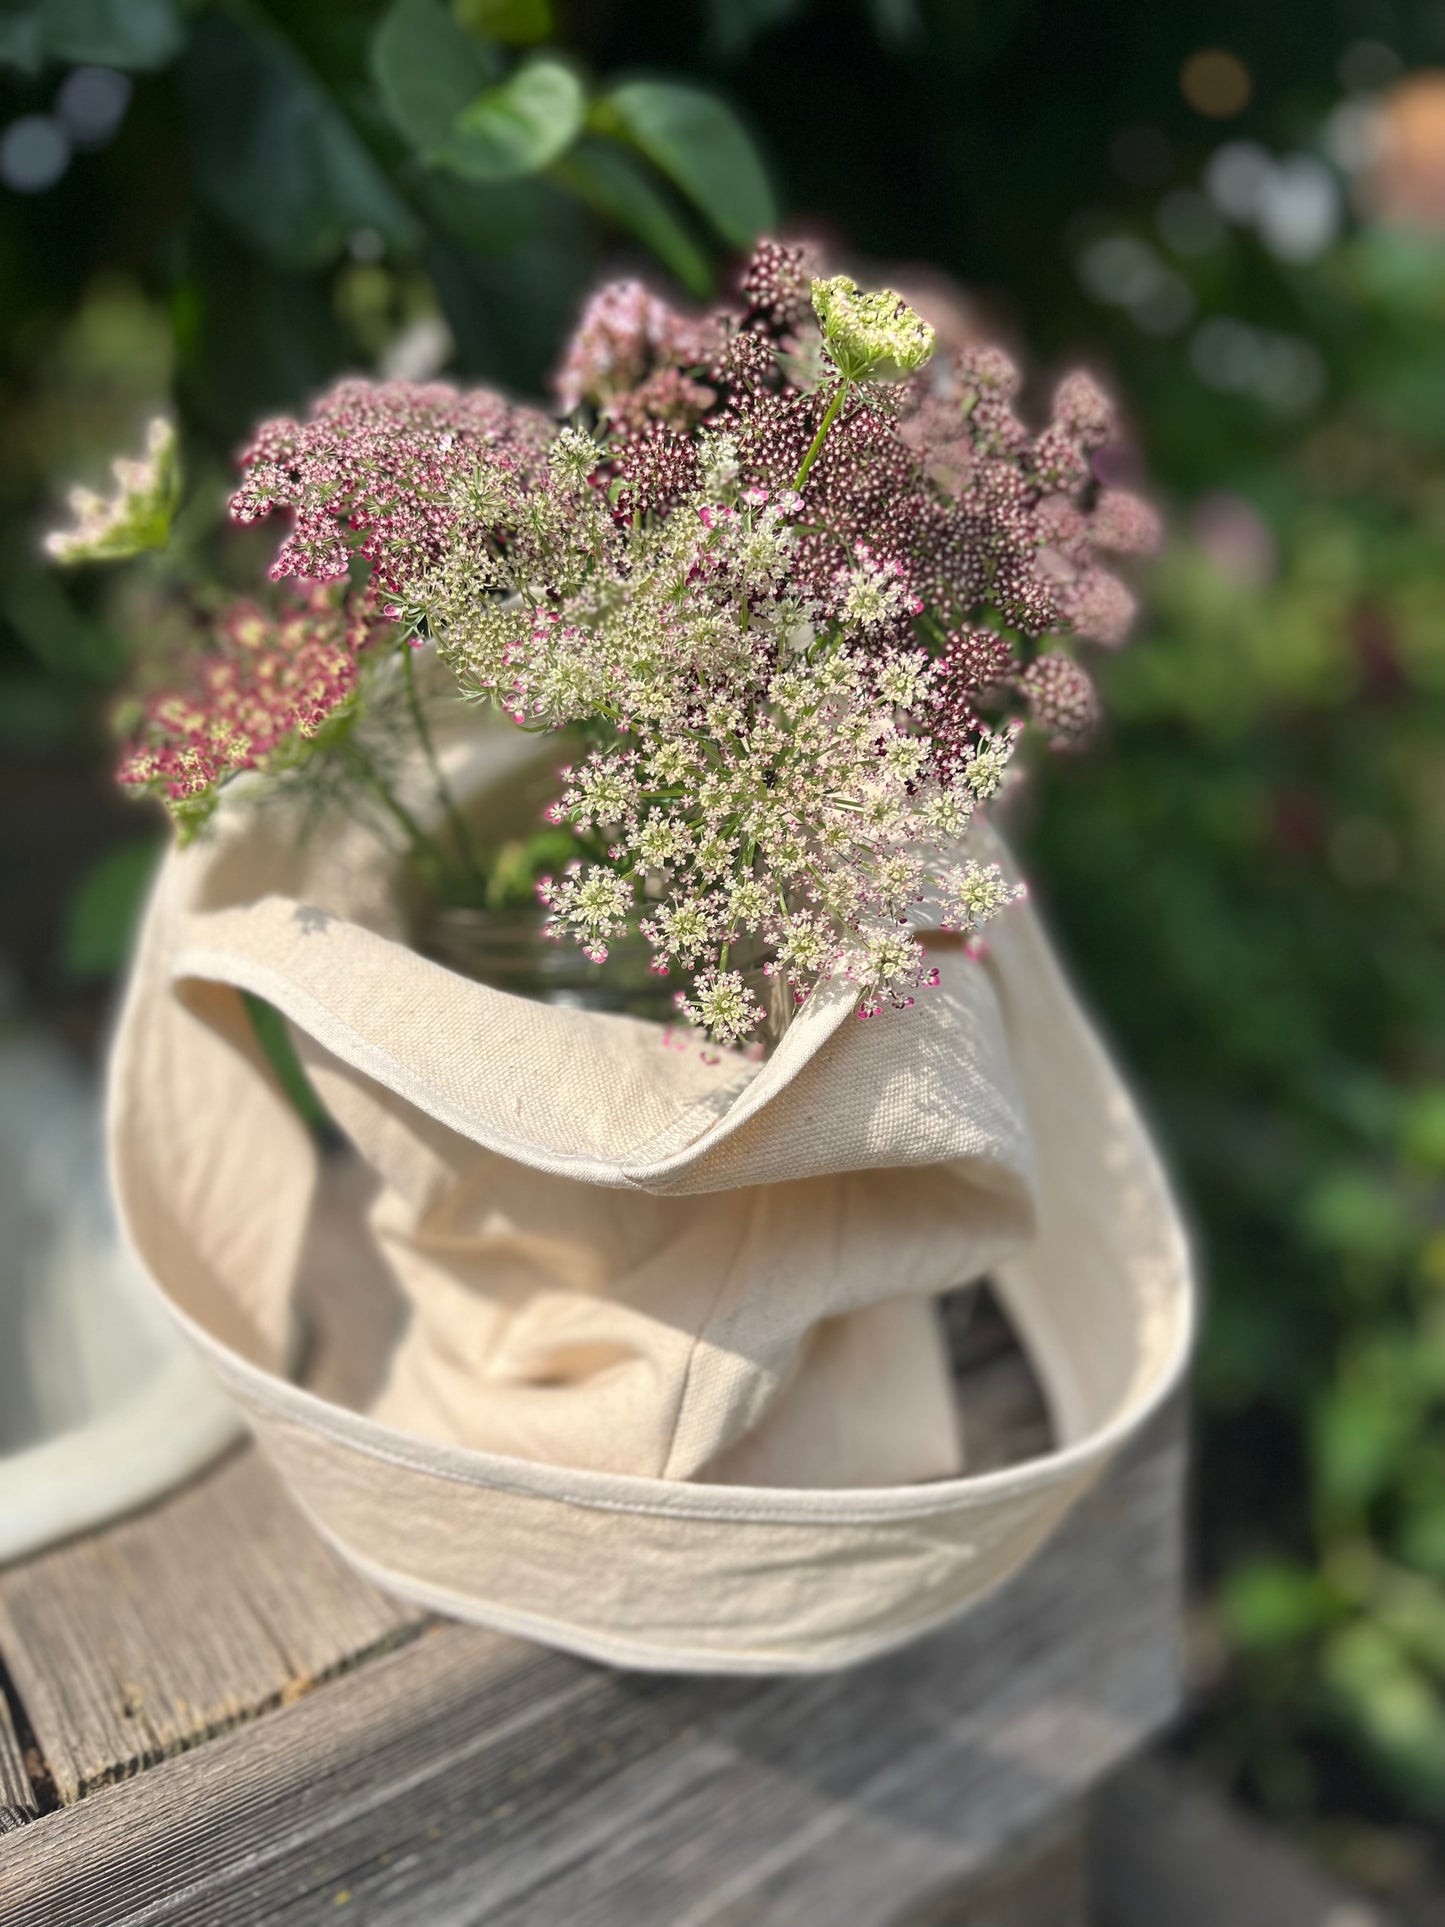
(673, 1391)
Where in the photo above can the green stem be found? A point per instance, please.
(371, 778)
(454, 816)
(822, 435)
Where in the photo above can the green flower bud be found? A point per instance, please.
(871, 337)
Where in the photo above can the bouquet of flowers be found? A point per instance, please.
(778, 589)
(788, 582)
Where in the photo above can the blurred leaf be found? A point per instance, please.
(427, 70)
(1361, 1214)
(1391, 1709)
(1270, 1603)
(1413, 1611)
(273, 155)
(612, 182)
(516, 23)
(36, 712)
(514, 867)
(491, 217)
(136, 34)
(1420, 1533)
(1423, 1131)
(734, 25)
(275, 1040)
(897, 23)
(1358, 1431)
(519, 126)
(1432, 1260)
(254, 333)
(507, 313)
(698, 142)
(104, 911)
(22, 42)
(58, 633)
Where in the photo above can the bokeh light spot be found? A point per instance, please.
(91, 104)
(34, 153)
(1215, 83)
(1236, 176)
(1366, 65)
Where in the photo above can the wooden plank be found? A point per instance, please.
(132, 1644)
(473, 1781)
(219, 1602)
(1001, 1404)
(1166, 1848)
(1042, 1881)
(17, 1795)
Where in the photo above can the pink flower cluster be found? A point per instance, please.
(269, 681)
(385, 462)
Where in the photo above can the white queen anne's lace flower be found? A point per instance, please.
(137, 515)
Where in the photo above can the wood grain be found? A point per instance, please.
(132, 1644)
(17, 1796)
(219, 1602)
(468, 1780)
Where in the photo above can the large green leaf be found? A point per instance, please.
(487, 217)
(699, 143)
(616, 185)
(273, 154)
(734, 25)
(516, 23)
(508, 312)
(112, 33)
(519, 127)
(22, 42)
(427, 69)
(104, 911)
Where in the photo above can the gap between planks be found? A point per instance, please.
(19, 1801)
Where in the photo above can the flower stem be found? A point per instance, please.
(366, 773)
(822, 435)
(453, 815)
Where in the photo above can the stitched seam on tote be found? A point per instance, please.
(1039, 1488)
(210, 966)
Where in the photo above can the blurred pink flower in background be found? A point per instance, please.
(1236, 539)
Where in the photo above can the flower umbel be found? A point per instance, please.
(136, 516)
(253, 700)
(870, 337)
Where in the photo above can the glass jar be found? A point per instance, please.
(509, 950)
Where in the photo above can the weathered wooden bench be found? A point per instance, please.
(209, 1719)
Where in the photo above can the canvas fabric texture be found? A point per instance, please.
(673, 1390)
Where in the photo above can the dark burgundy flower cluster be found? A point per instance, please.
(998, 532)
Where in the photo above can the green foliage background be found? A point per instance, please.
(1247, 875)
